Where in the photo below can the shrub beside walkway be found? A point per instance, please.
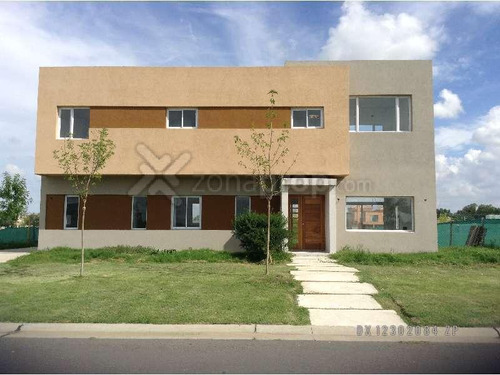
(334, 295)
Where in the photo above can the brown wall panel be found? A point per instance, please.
(54, 212)
(217, 212)
(240, 118)
(259, 204)
(114, 211)
(127, 117)
(108, 212)
(159, 212)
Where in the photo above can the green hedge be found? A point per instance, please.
(251, 229)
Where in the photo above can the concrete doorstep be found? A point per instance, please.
(245, 332)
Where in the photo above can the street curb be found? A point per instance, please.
(246, 332)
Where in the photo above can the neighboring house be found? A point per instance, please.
(363, 130)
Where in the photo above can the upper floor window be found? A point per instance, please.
(307, 118)
(74, 123)
(380, 114)
(182, 118)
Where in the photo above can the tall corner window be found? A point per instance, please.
(186, 212)
(242, 205)
(74, 123)
(139, 212)
(380, 114)
(303, 118)
(182, 118)
(379, 213)
(71, 211)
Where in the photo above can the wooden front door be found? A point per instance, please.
(306, 215)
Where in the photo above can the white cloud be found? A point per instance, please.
(362, 34)
(252, 36)
(484, 8)
(13, 169)
(450, 105)
(451, 71)
(454, 138)
(488, 133)
(474, 175)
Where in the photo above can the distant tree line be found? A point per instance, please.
(469, 212)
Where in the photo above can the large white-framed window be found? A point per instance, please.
(186, 212)
(379, 214)
(380, 114)
(139, 212)
(73, 122)
(182, 118)
(71, 211)
(304, 118)
(242, 204)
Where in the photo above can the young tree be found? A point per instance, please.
(82, 164)
(30, 220)
(265, 156)
(14, 199)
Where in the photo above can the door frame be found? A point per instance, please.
(300, 235)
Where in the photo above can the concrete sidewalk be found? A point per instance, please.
(9, 254)
(242, 332)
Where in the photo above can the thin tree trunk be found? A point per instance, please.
(268, 252)
(83, 230)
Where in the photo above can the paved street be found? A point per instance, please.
(241, 356)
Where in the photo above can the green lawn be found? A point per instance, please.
(455, 286)
(124, 285)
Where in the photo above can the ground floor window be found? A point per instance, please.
(139, 212)
(379, 213)
(71, 209)
(186, 212)
(242, 205)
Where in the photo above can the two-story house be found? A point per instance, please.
(363, 131)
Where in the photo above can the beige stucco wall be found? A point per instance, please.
(210, 151)
(392, 164)
(160, 239)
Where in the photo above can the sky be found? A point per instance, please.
(462, 39)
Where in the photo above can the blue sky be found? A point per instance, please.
(462, 39)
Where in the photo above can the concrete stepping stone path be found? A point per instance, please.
(343, 301)
(324, 276)
(318, 287)
(325, 269)
(334, 295)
